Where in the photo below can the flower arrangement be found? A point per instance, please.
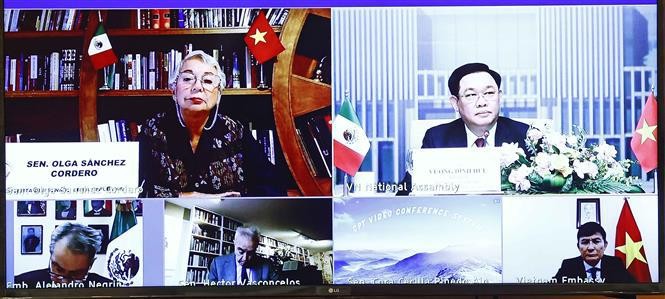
(563, 164)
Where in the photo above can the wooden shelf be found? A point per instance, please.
(308, 95)
(42, 94)
(181, 31)
(294, 96)
(42, 34)
(167, 92)
(205, 238)
(205, 223)
(203, 252)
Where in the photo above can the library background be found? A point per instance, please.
(286, 102)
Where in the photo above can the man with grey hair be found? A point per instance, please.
(73, 248)
(243, 266)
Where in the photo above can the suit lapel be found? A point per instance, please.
(230, 268)
(457, 138)
(256, 273)
(579, 267)
(502, 134)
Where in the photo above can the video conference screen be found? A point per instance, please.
(349, 149)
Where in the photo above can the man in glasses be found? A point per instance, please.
(243, 266)
(476, 95)
(592, 266)
(73, 248)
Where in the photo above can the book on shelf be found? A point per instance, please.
(197, 260)
(118, 131)
(21, 20)
(150, 70)
(207, 217)
(197, 275)
(32, 72)
(266, 138)
(205, 18)
(315, 136)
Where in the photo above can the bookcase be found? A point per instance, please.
(268, 247)
(295, 91)
(211, 236)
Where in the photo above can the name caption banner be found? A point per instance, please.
(71, 170)
(455, 171)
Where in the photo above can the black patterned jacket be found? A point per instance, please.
(227, 158)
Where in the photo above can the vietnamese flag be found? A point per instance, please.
(100, 50)
(261, 40)
(629, 247)
(644, 143)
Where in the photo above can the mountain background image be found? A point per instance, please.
(422, 240)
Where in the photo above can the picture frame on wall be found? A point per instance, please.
(31, 208)
(588, 210)
(65, 209)
(97, 208)
(32, 241)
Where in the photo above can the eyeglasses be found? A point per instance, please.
(208, 81)
(471, 96)
(76, 278)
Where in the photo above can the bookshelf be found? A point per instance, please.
(305, 34)
(211, 236)
(268, 246)
(306, 37)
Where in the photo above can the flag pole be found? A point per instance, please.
(345, 188)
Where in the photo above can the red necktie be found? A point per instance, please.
(480, 142)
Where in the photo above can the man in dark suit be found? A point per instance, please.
(243, 266)
(31, 241)
(476, 96)
(97, 209)
(73, 248)
(592, 265)
(31, 207)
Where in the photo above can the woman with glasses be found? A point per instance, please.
(193, 150)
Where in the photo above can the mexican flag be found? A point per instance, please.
(350, 141)
(125, 263)
(100, 50)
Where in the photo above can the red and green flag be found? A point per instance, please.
(100, 50)
(350, 141)
(261, 39)
(644, 143)
(629, 246)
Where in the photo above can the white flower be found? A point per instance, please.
(534, 134)
(562, 164)
(555, 140)
(569, 152)
(583, 168)
(510, 152)
(519, 178)
(523, 185)
(558, 162)
(571, 140)
(606, 152)
(542, 160)
(615, 170)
